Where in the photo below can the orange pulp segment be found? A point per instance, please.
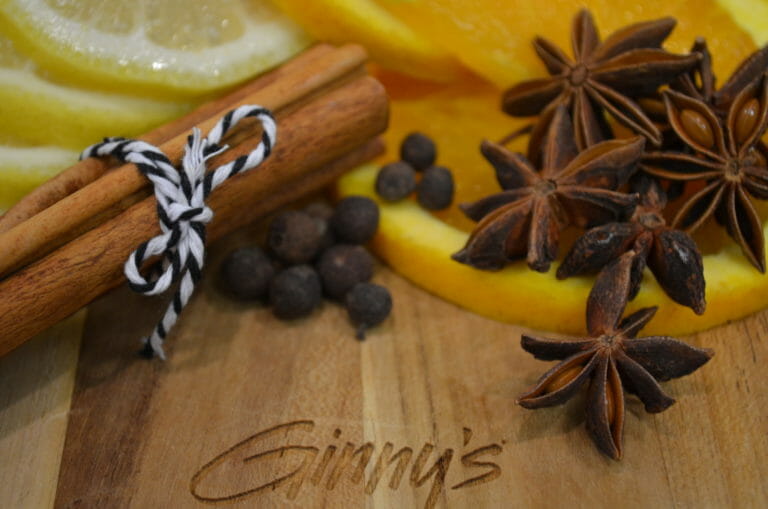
(493, 37)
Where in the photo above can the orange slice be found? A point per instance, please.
(390, 41)
(418, 244)
(494, 38)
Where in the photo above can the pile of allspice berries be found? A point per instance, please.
(418, 154)
(319, 251)
(311, 253)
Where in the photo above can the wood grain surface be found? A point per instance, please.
(36, 383)
(250, 411)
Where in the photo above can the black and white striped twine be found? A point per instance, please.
(181, 207)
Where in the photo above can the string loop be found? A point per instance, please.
(181, 207)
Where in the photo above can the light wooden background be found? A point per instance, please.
(89, 424)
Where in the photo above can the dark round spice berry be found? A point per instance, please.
(418, 150)
(343, 266)
(355, 220)
(395, 181)
(368, 304)
(294, 237)
(321, 212)
(295, 292)
(435, 190)
(319, 209)
(327, 237)
(246, 273)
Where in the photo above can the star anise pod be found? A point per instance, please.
(612, 359)
(526, 218)
(728, 156)
(602, 77)
(699, 83)
(672, 255)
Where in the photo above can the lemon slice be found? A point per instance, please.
(22, 169)
(752, 16)
(179, 46)
(38, 112)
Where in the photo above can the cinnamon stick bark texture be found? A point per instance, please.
(314, 145)
(64, 220)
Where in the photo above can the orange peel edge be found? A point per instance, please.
(418, 246)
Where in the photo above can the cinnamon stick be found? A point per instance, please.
(313, 141)
(81, 174)
(69, 217)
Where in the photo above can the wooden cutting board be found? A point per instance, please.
(253, 412)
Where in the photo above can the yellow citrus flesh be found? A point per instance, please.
(390, 41)
(494, 37)
(186, 47)
(38, 112)
(23, 169)
(751, 16)
(45, 125)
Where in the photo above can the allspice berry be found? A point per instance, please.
(246, 273)
(395, 181)
(418, 150)
(355, 220)
(343, 266)
(319, 209)
(321, 212)
(295, 292)
(368, 304)
(294, 237)
(435, 190)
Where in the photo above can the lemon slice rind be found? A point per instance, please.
(24, 168)
(37, 112)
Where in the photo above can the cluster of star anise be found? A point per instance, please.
(577, 173)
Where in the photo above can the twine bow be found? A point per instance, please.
(181, 207)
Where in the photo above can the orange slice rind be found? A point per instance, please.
(419, 246)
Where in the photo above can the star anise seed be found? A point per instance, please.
(699, 83)
(601, 78)
(672, 255)
(525, 219)
(728, 156)
(611, 359)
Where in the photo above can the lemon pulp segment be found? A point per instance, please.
(187, 47)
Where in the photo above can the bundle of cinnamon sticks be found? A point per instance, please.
(65, 244)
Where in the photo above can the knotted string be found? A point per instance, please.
(181, 207)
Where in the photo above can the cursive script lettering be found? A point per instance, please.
(279, 458)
